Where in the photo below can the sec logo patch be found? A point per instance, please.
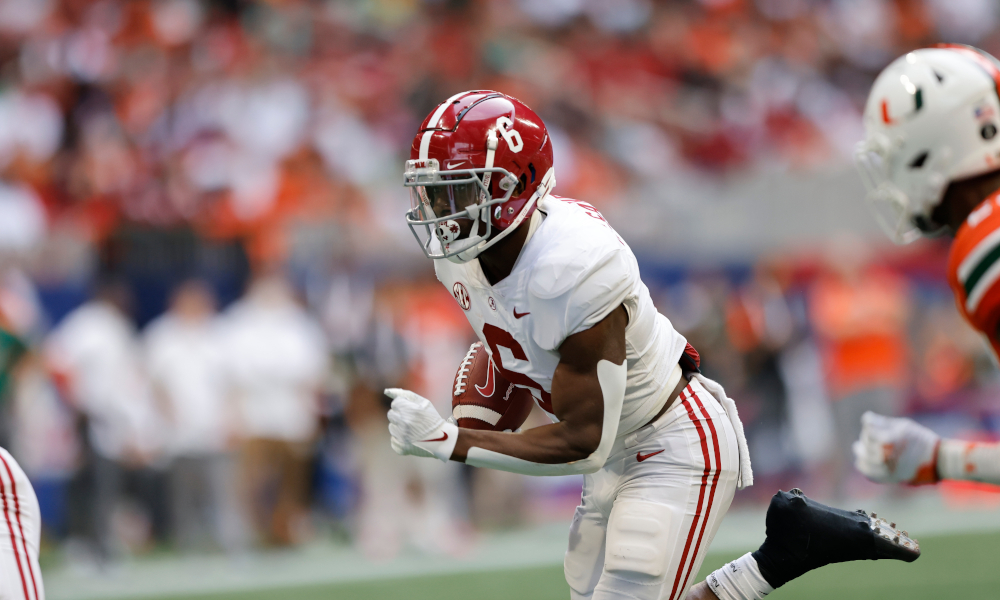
(492, 303)
(462, 295)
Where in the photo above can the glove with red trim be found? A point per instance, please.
(417, 428)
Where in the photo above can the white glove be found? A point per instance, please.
(896, 450)
(417, 428)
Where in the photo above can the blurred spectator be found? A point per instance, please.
(186, 362)
(13, 347)
(760, 327)
(95, 356)
(277, 359)
(860, 312)
(416, 340)
(382, 361)
(438, 336)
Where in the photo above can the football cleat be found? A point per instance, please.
(803, 535)
(891, 542)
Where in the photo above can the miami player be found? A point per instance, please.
(554, 294)
(931, 163)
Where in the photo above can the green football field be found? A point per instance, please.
(956, 566)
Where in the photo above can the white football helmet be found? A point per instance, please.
(931, 119)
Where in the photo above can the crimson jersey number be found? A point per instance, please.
(495, 338)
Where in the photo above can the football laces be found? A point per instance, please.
(461, 379)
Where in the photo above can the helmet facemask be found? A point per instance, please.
(453, 207)
(903, 214)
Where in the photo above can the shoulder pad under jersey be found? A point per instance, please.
(974, 267)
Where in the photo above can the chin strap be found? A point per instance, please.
(476, 212)
(533, 223)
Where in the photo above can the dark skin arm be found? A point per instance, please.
(577, 401)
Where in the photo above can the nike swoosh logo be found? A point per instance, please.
(444, 436)
(639, 456)
(490, 386)
(518, 316)
(453, 165)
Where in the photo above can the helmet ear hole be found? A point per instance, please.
(919, 160)
(926, 225)
(531, 168)
(522, 184)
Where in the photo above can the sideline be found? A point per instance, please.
(923, 513)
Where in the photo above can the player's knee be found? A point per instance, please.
(638, 542)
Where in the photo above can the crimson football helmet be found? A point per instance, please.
(478, 167)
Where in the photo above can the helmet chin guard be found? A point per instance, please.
(478, 167)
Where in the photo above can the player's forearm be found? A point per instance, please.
(550, 444)
(612, 379)
(973, 461)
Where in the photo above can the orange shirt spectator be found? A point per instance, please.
(861, 321)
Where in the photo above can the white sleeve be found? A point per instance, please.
(612, 378)
(568, 297)
(974, 461)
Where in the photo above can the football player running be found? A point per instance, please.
(931, 163)
(555, 295)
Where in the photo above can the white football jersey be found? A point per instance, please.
(573, 271)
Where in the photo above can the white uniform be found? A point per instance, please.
(648, 516)
(20, 532)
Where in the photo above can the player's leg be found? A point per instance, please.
(584, 560)
(803, 535)
(678, 480)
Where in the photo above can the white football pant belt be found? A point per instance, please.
(612, 378)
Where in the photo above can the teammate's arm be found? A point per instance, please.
(588, 388)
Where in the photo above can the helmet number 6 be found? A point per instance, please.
(511, 136)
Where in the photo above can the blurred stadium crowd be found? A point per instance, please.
(206, 279)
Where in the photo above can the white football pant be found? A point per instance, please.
(20, 530)
(648, 517)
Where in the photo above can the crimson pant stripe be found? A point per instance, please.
(20, 528)
(701, 492)
(13, 538)
(715, 483)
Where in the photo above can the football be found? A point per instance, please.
(484, 399)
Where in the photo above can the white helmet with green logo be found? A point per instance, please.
(931, 119)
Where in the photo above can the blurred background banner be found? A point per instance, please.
(206, 278)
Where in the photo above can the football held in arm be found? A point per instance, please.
(565, 322)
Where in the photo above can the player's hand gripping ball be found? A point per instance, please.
(412, 420)
(896, 450)
(485, 399)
